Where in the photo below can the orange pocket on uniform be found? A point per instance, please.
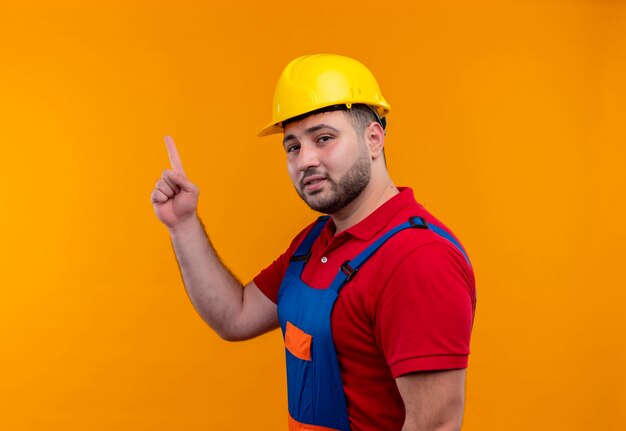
(298, 342)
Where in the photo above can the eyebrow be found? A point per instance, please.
(311, 130)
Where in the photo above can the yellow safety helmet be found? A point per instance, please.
(314, 82)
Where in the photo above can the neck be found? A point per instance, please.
(366, 203)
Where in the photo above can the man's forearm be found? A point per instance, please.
(214, 291)
(453, 425)
(433, 400)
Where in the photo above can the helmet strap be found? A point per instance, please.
(382, 121)
(342, 107)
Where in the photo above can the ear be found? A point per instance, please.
(375, 138)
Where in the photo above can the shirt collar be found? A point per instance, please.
(377, 220)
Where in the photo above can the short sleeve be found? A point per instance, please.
(425, 312)
(269, 279)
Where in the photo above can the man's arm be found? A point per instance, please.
(234, 312)
(434, 400)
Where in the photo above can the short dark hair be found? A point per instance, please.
(362, 116)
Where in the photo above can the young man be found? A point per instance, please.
(376, 302)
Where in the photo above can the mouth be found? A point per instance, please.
(312, 183)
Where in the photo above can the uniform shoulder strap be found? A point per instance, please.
(351, 267)
(301, 256)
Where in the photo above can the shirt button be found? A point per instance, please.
(324, 259)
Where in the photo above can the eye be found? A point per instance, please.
(324, 138)
(292, 148)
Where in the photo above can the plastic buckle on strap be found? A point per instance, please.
(304, 257)
(418, 225)
(348, 270)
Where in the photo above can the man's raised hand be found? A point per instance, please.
(174, 197)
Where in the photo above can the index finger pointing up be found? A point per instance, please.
(172, 153)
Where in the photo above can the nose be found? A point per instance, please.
(308, 157)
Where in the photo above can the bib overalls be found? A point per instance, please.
(315, 393)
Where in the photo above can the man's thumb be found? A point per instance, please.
(183, 182)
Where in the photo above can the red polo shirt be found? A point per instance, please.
(410, 308)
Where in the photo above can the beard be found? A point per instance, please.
(343, 191)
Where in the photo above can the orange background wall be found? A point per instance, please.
(508, 120)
